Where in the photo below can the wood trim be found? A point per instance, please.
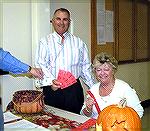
(116, 30)
(148, 28)
(93, 29)
(134, 30)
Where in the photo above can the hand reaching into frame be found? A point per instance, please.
(36, 72)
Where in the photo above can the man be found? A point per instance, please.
(11, 64)
(63, 51)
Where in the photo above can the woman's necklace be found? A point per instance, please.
(105, 91)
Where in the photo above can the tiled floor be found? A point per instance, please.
(146, 120)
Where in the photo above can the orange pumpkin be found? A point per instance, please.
(118, 118)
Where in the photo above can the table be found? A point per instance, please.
(52, 110)
(67, 114)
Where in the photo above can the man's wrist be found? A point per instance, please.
(29, 68)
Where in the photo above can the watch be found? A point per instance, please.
(29, 68)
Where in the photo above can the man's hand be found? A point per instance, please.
(56, 84)
(36, 73)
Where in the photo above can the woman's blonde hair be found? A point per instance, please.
(102, 58)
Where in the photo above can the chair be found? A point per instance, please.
(146, 103)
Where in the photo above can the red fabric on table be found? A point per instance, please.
(89, 123)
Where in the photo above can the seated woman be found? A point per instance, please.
(109, 90)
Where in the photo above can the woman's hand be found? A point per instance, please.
(56, 84)
(89, 103)
(88, 106)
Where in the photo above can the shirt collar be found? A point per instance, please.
(58, 38)
(55, 34)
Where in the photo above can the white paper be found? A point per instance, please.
(101, 22)
(109, 26)
(104, 24)
(21, 124)
(8, 116)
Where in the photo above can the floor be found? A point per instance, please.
(146, 120)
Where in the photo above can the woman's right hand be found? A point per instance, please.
(89, 103)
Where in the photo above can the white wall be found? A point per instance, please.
(17, 40)
(1, 27)
(40, 13)
(20, 34)
(138, 76)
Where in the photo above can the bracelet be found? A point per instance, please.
(29, 68)
(87, 110)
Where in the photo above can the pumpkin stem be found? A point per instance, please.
(122, 103)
